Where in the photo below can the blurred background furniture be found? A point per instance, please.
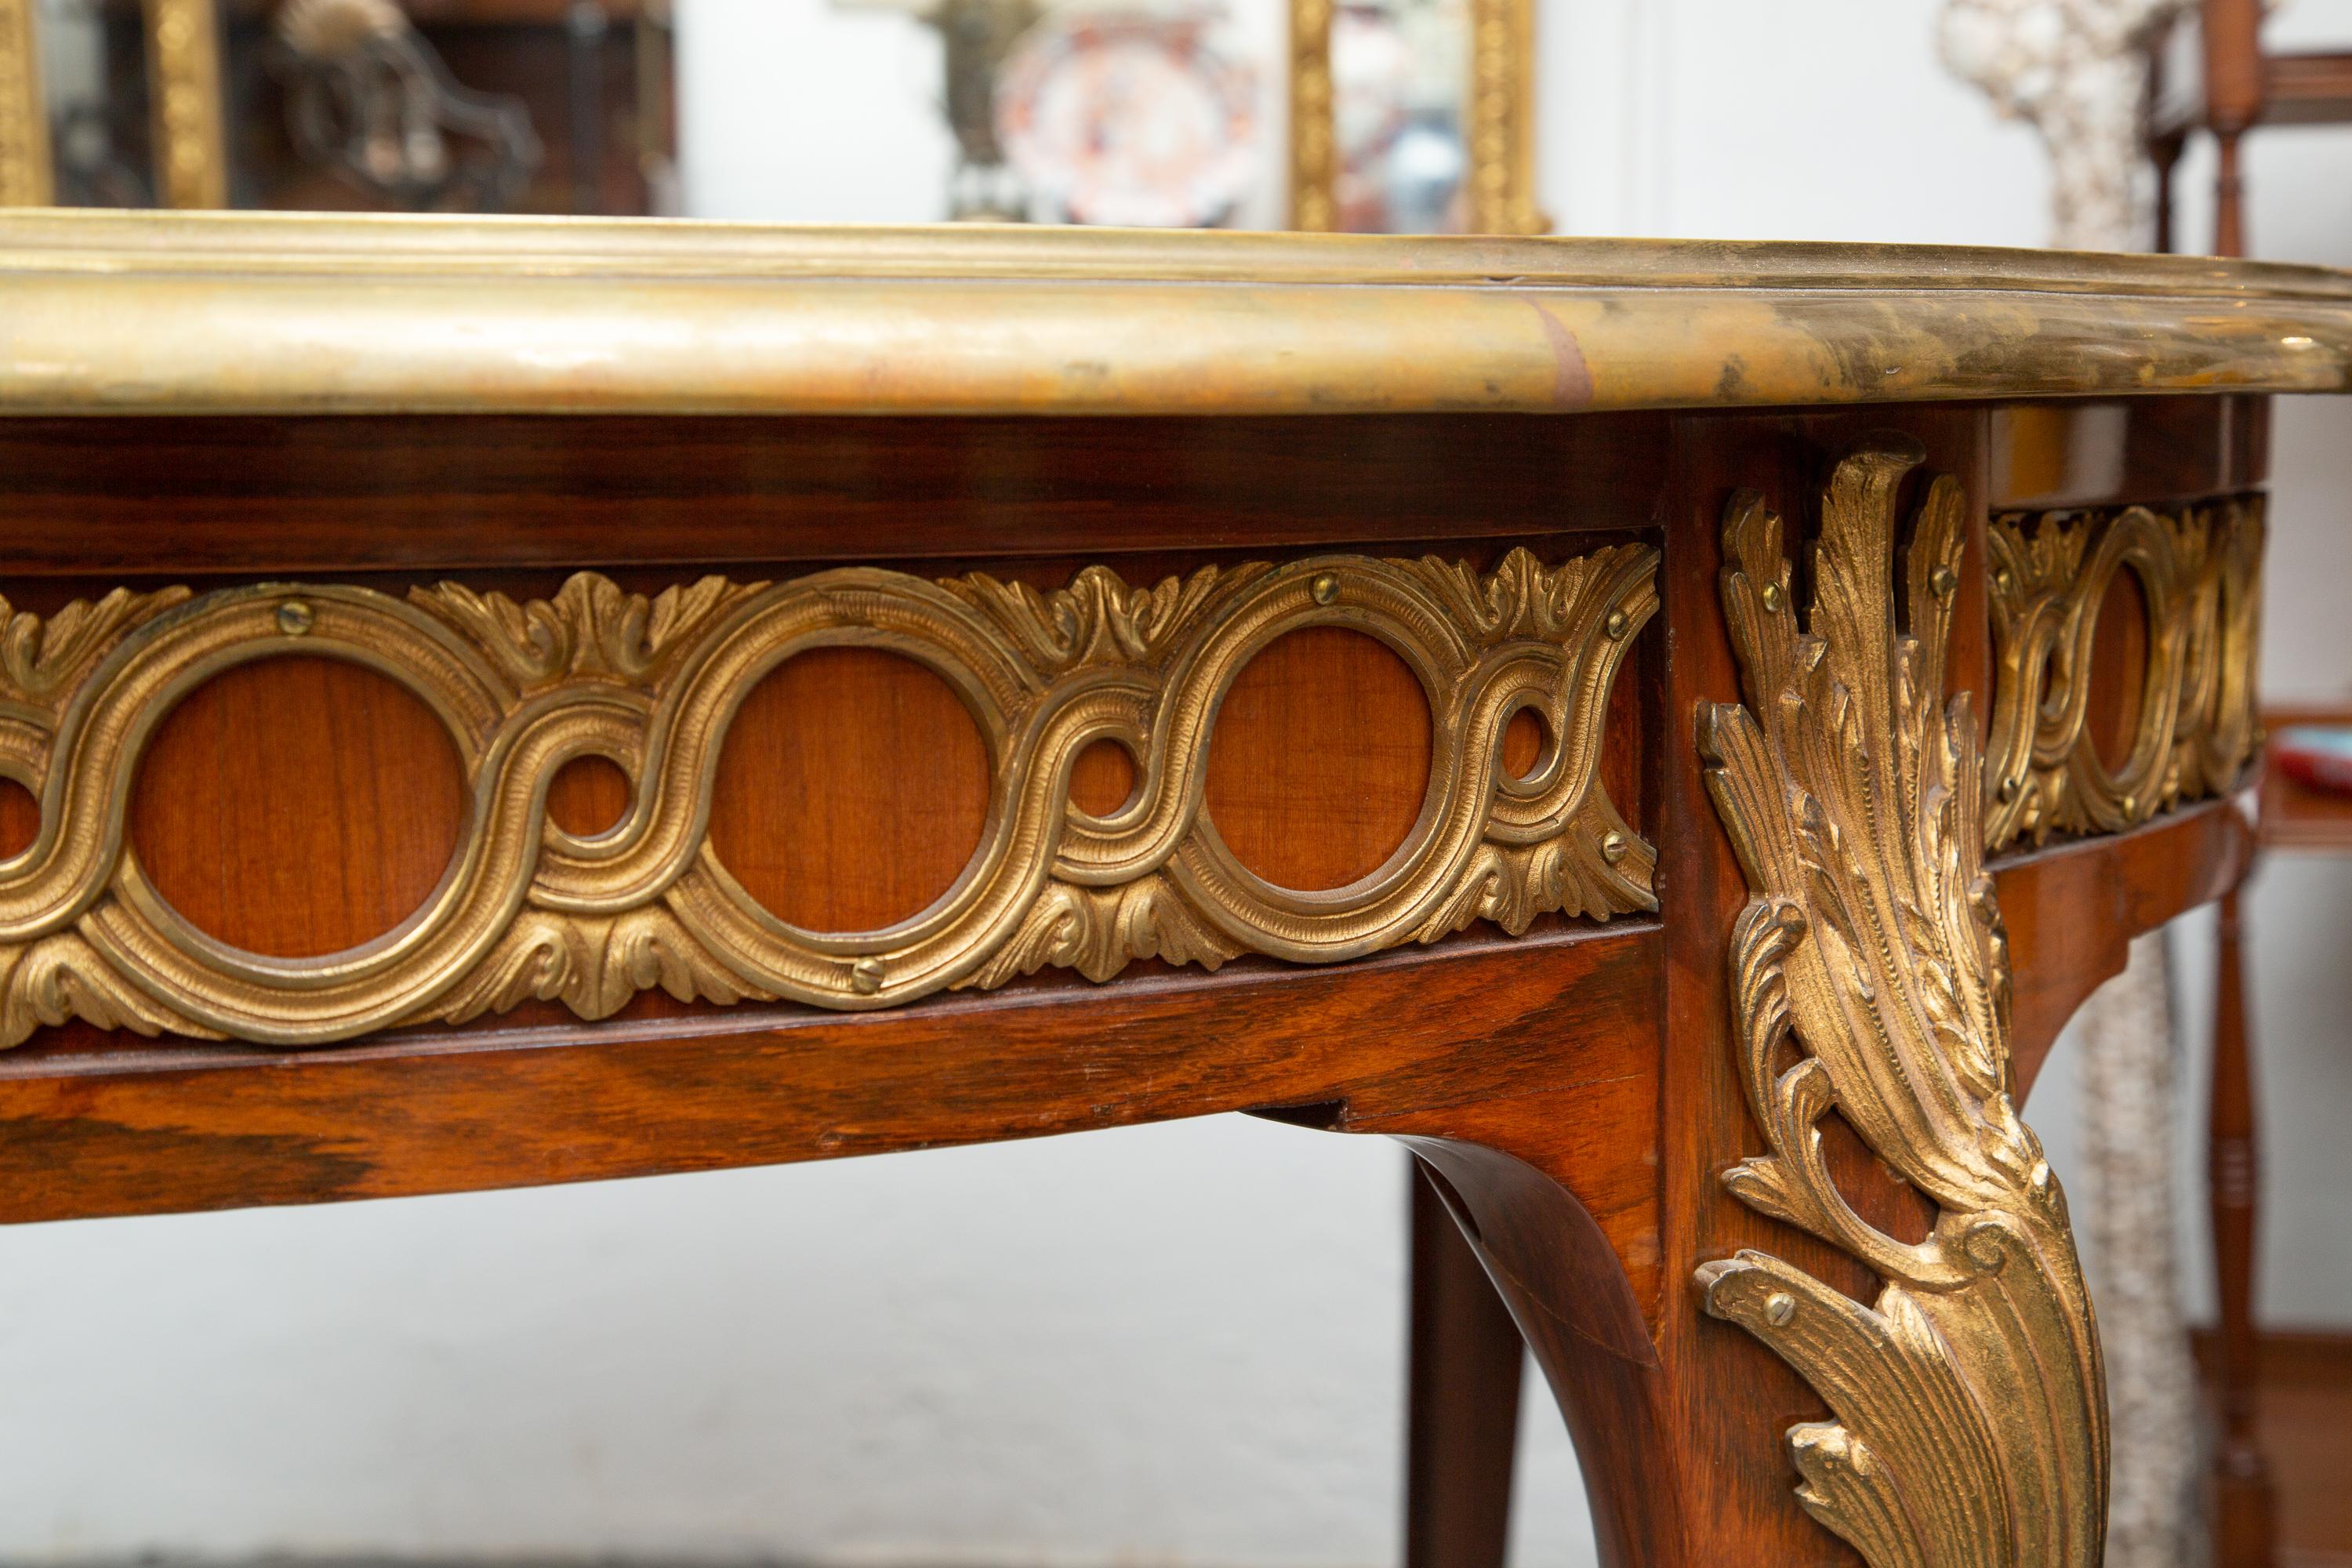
(2282, 1447)
(2218, 77)
(2231, 85)
(533, 106)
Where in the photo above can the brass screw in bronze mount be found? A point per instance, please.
(866, 976)
(1325, 588)
(1780, 1309)
(295, 618)
(1613, 846)
(1942, 581)
(1617, 624)
(1772, 599)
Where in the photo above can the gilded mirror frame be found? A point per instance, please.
(1499, 118)
(191, 161)
(183, 91)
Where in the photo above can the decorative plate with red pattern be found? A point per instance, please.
(1119, 118)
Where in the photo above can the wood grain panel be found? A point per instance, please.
(1320, 760)
(285, 497)
(1102, 777)
(2118, 670)
(141, 1127)
(851, 791)
(1628, 754)
(297, 806)
(20, 818)
(2073, 909)
(589, 795)
(1527, 741)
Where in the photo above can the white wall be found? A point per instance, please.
(808, 112)
(1802, 120)
(1175, 1344)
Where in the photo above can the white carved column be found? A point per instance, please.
(2127, 1041)
(2076, 71)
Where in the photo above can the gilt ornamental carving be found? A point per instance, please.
(529, 911)
(1869, 978)
(2199, 574)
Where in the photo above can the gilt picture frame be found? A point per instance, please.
(1496, 122)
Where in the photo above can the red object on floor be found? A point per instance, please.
(2319, 756)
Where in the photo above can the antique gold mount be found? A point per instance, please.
(1869, 978)
(2200, 573)
(527, 909)
(244, 313)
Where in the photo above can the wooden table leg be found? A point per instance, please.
(1462, 1413)
(1682, 1459)
(2242, 1484)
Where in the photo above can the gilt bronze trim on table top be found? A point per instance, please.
(529, 911)
(1870, 978)
(242, 313)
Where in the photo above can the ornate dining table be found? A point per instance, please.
(1668, 731)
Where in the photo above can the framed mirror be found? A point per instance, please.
(1362, 115)
(536, 106)
(111, 104)
(1413, 116)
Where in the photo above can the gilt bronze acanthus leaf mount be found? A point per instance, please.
(1869, 978)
